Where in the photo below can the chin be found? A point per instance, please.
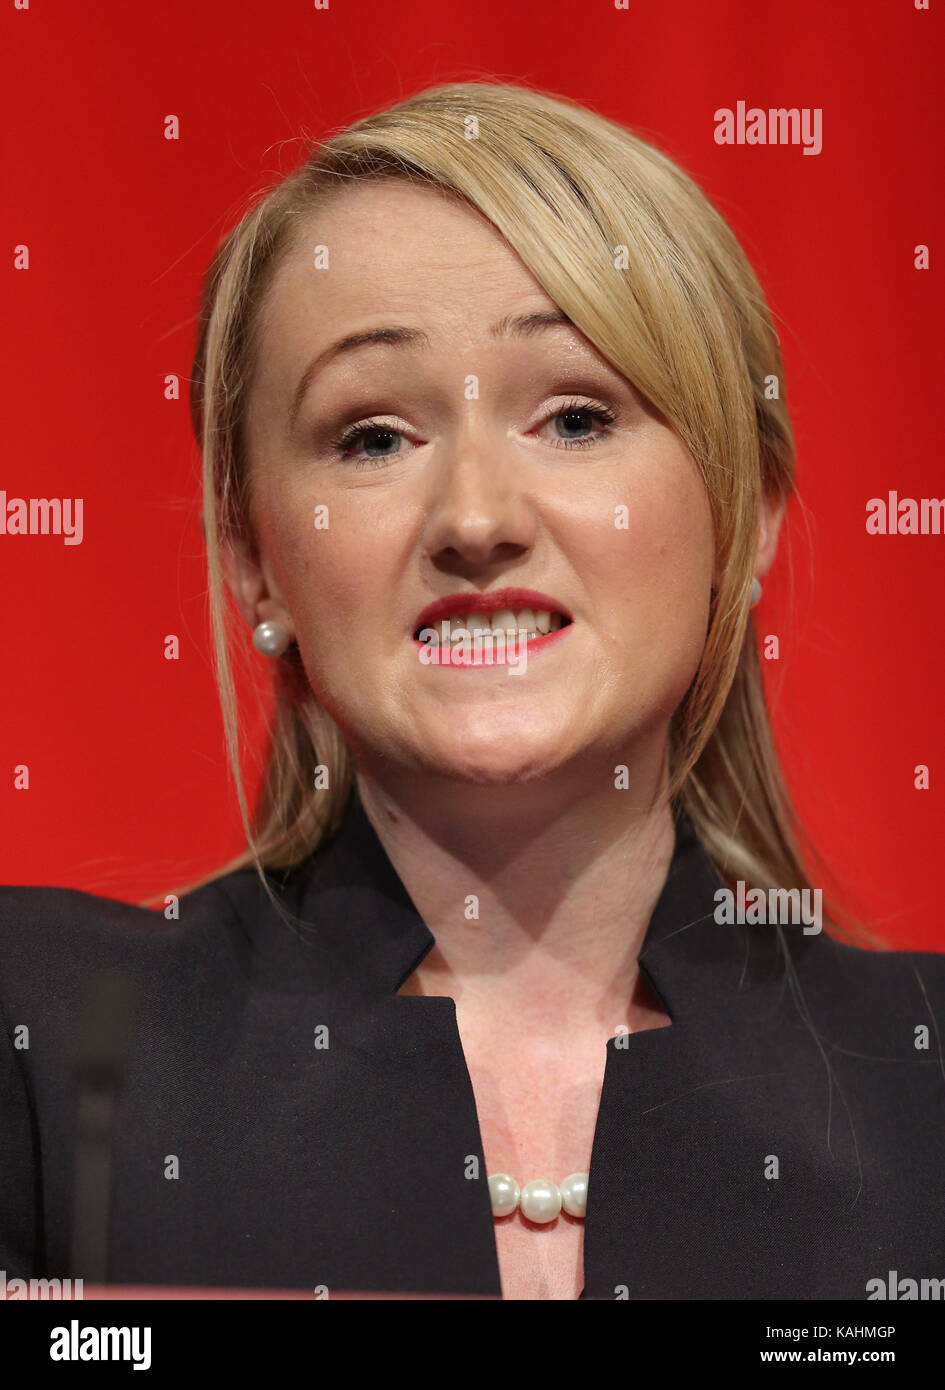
(496, 761)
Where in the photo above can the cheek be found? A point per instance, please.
(336, 580)
(324, 581)
(648, 572)
(324, 559)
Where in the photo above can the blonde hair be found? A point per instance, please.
(631, 249)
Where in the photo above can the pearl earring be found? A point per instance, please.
(755, 593)
(270, 638)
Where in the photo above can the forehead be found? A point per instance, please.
(389, 248)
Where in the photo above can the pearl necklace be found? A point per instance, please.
(540, 1200)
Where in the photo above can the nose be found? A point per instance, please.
(479, 513)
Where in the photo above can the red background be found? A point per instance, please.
(129, 790)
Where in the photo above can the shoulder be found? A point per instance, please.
(871, 992)
(67, 911)
(843, 965)
(49, 933)
(221, 934)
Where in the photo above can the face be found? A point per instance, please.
(487, 448)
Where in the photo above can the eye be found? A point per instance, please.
(372, 443)
(579, 415)
(368, 435)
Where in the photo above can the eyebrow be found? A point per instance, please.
(512, 325)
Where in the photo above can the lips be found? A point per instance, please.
(499, 609)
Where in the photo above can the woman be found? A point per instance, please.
(496, 455)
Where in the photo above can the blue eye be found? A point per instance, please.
(574, 410)
(348, 442)
(355, 443)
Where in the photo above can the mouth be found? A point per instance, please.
(498, 616)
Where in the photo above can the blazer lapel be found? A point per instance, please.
(690, 1115)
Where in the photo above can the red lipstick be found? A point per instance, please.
(488, 601)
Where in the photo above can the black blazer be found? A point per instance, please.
(346, 1166)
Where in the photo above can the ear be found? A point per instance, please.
(251, 583)
(772, 514)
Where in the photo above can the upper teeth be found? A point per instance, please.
(526, 620)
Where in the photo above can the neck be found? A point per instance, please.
(538, 895)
